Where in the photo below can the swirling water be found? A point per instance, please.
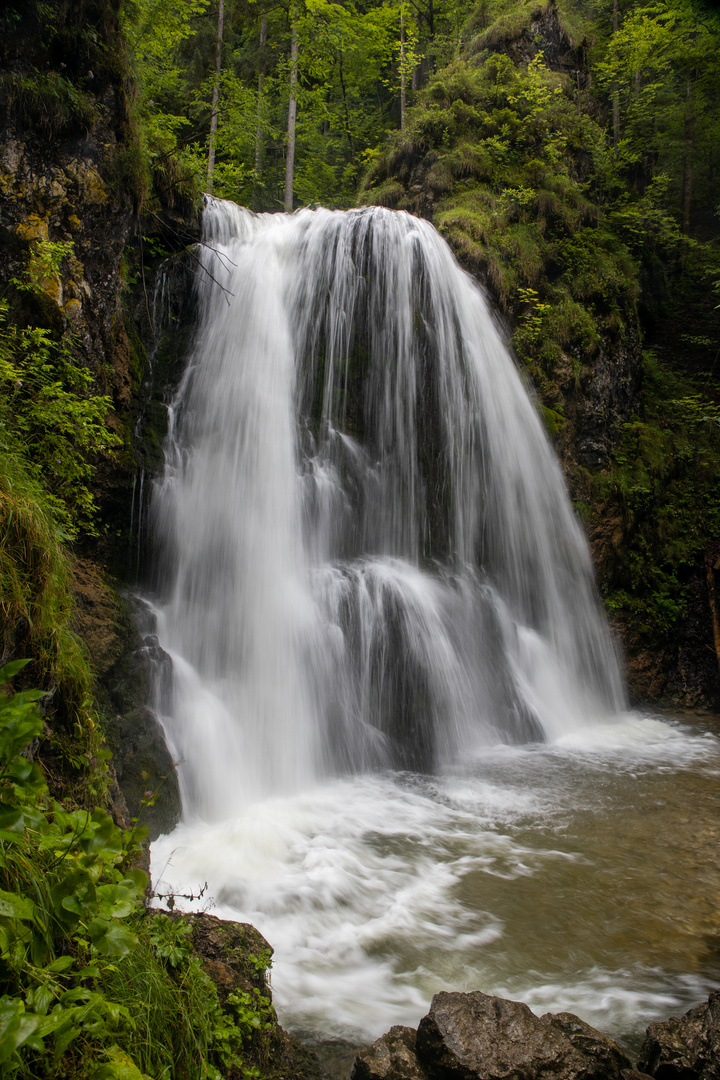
(394, 699)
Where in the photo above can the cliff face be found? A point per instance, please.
(69, 188)
(66, 178)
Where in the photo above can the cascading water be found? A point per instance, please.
(373, 557)
(373, 576)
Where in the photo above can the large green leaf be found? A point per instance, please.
(110, 939)
(14, 906)
(16, 1026)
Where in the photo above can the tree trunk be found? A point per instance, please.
(615, 88)
(292, 108)
(348, 131)
(687, 183)
(259, 132)
(215, 97)
(402, 66)
(712, 570)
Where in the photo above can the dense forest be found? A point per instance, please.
(568, 150)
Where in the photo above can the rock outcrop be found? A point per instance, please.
(478, 1037)
(685, 1048)
(236, 957)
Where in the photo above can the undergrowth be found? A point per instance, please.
(93, 986)
(52, 429)
(518, 175)
(664, 476)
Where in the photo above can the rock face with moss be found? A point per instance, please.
(71, 185)
(65, 146)
(236, 957)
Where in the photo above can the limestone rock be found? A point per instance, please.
(391, 1057)
(602, 1055)
(478, 1037)
(685, 1048)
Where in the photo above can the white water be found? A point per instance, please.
(580, 876)
(371, 564)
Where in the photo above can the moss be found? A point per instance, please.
(36, 610)
(664, 476)
(508, 25)
(553, 421)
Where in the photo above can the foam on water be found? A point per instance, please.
(378, 891)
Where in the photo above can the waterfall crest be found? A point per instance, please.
(371, 556)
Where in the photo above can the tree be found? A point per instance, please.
(216, 94)
(292, 106)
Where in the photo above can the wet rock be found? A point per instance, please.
(685, 1048)
(236, 957)
(478, 1037)
(603, 1057)
(145, 770)
(392, 1057)
(123, 657)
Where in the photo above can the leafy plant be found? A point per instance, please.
(47, 409)
(93, 986)
(65, 893)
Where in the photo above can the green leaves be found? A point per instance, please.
(109, 939)
(14, 906)
(48, 413)
(63, 898)
(16, 1026)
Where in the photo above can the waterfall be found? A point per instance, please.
(370, 557)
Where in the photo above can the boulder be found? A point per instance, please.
(685, 1048)
(391, 1057)
(478, 1037)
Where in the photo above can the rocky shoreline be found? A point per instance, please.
(477, 1037)
(464, 1036)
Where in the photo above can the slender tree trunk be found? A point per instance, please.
(348, 131)
(402, 66)
(292, 108)
(259, 132)
(215, 97)
(712, 569)
(687, 184)
(615, 88)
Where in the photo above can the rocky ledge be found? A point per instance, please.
(478, 1037)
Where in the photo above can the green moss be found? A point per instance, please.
(36, 610)
(664, 477)
(508, 25)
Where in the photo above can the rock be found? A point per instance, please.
(145, 770)
(123, 659)
(603, 1056)
(685, 1048)
(478, 1037)
(236, 957)
(391, 1057)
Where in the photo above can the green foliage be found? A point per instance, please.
(665, 477)
(35, 613)
(46, 407)
(347, 92)
(521, 173)
(48, 101)
(65, 890)
(93, 986)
